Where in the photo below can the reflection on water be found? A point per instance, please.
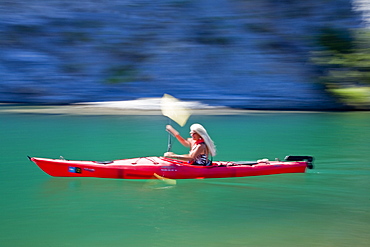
(327, 206)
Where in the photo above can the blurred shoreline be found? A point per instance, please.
(241, 54)
(146, 106)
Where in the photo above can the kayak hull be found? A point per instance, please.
(151, 167)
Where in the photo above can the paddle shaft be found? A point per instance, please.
(169, 144)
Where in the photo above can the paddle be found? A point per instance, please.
(174, 110)
(166, 180)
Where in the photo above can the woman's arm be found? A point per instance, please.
(174, 132)
(185, 157)
(199, 149)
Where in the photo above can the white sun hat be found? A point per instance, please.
(199, 129)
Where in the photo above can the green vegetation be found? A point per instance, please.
(356, 96)
(75, 37)
(344, 64)
(212, 31)
(122, 74)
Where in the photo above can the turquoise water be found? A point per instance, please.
(327, 206)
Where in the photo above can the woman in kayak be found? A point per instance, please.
(200, 144)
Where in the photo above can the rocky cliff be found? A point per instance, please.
(239, 53)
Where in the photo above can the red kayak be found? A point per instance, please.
(152, 167)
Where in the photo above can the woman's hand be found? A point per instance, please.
(170, 129)
(168, 154)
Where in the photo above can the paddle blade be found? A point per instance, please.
(166, 180)
(174, 109)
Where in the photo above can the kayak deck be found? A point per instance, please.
(148, 167)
